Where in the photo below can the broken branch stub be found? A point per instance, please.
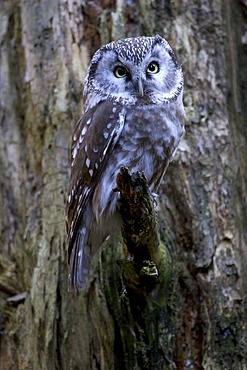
(139, 230)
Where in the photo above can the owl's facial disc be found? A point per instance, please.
(126, 72)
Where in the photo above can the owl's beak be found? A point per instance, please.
(140, 87)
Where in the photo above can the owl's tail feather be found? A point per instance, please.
(79, 263)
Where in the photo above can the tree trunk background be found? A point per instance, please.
(46, 47)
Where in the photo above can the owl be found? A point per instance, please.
(133, 117)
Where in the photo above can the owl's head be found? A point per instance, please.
(132, 69)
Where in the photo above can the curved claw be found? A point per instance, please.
(149, 269)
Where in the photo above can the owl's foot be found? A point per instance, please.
(149, 269)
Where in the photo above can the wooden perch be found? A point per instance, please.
(139, 231)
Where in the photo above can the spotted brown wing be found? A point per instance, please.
(95, 135)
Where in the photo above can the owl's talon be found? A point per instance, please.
(149, 269)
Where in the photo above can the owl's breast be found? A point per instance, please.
(150, 136)
(148, 140)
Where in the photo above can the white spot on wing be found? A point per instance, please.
(88, 162)
(84, 130)
(106, 134)
(74, 152)
(91, 172)
(73, 191)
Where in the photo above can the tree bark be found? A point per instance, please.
(199, 320)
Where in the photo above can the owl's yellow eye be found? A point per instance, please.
(153, 67)
(120, 72)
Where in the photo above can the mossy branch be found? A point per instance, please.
(140, 233)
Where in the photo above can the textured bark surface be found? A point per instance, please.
(199, 321)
